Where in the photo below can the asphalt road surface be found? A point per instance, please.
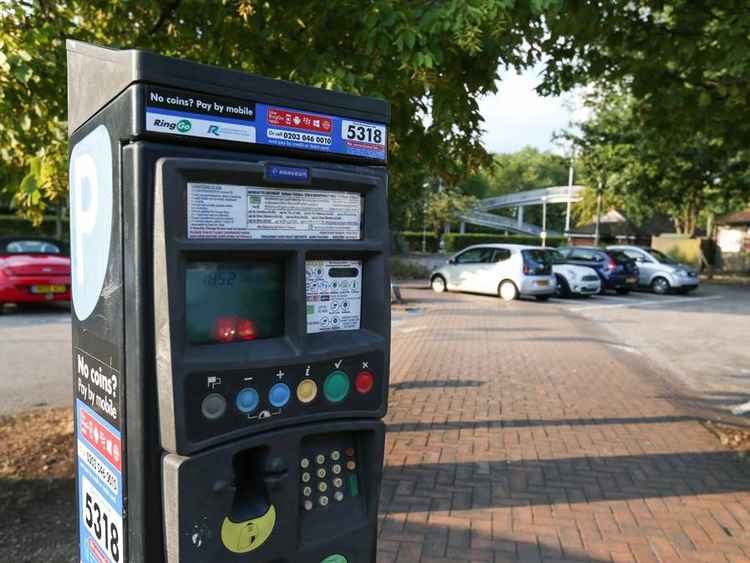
(701, 340)
(35, 358)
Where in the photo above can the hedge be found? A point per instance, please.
(12, 225)
(457, 241)
(411, 241)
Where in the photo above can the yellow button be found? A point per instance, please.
(307, 390)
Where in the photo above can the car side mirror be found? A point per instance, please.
(451, 260)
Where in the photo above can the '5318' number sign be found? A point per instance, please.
(363, 132)
(101, 521)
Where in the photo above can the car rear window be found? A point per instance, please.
(619, 256)
(537, 261)
(32, 247)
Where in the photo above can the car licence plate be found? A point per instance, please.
(542, 283)
(631, 280)
(47, 289)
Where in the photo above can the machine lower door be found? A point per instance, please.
(304, 494)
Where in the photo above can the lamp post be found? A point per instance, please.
(599, 192)
(570, 194)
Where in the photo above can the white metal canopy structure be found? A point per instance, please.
(519, 200)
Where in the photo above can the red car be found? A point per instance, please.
(33, 270)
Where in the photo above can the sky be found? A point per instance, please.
(517, 116)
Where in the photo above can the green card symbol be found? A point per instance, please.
(335, 558)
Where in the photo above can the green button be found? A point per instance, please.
(336, 386)
(335, 558)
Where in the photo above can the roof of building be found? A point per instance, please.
(736, 218)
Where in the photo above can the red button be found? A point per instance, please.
(363, 382)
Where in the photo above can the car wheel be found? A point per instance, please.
(622, 291)
(438, 284)
(507, 291)
(660, 286)
(563, 289)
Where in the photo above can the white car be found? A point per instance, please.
(573, 279)
(507, 270)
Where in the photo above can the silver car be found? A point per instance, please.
(507, 270)
(659, 272)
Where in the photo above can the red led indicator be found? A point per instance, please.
(364, 382)
(225, 329)
(246, 330)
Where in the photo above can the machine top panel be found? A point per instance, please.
(187, 99)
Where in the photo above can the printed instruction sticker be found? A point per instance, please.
(220, 211)
(102, 538)
(333, 295)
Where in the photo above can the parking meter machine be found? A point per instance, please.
(231, 317)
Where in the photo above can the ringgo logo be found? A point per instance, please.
(184, 125)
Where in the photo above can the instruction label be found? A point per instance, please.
(333, 294)
(99, 488)
(97, 384)
(220, 211)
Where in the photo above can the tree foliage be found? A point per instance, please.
(646, 172)
(686, 64)
(431, 60)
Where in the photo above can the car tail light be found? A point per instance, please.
(611, 264)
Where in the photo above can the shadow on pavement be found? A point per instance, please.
(565, 481)
(436, 383)
(37, 520)
(529, 423)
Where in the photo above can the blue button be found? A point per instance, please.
(247, 400)
(279, 395)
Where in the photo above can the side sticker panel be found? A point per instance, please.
(99, 483)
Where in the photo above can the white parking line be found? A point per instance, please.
(676, 300)
(612, 298)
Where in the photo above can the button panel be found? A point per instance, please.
(335, 481)
(257, 398)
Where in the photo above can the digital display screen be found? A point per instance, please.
(234, 301)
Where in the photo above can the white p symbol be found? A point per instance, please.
(85, 177)
(91, 199)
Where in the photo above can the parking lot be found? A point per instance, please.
(698, 341)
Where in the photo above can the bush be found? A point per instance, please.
(12, 225)
(411, 241)
(405, 269)
(458, 241)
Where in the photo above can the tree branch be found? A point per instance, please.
(166, 11)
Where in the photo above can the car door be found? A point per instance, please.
(646, 265)
(462, 271)
(494, 263)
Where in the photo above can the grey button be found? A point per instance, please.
(214, 406)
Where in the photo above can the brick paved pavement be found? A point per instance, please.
(515, 433)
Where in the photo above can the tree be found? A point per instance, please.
(431, 60)
(446, 206)
(645, 172)
(685, 62)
